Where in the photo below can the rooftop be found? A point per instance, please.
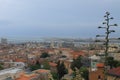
(10, 70)
(52, 64)
(42, 71)
(115, 71)
(100, 65)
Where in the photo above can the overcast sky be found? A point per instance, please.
(56, 18)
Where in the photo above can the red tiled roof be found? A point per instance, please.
(48, 50)
(52, 64)
(26, 77)
(115, 71)
(100, 65)
(42, 71)
(20, 60)
(77, 54)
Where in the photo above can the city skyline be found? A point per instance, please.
(51, 18)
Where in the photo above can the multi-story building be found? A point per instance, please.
(4, 41)
(114, 74)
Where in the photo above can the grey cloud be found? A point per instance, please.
(42, 16)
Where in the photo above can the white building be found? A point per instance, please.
(94, 60)
(11, 72)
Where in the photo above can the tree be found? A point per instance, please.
(55, 75)
(107, 27)
(1, 67)
(61, 69)
(77, 75)
(85, 73)
(50, 77)
(36, 66)
(118, 64)
(46, 65)
(76, 63)
(112, 63)
(44, 55)
(81, 74)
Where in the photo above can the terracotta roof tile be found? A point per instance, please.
(77, 54)
(42, 71)
(100, 65)
(115, 71)
(52, 64)
(20, 60)
(26, 77)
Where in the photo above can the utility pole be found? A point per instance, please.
(108, 31)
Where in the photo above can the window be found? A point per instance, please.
(99, 77)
